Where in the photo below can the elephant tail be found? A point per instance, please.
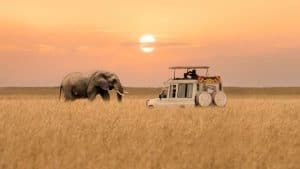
(60, 89)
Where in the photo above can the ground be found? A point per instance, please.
(259, 128)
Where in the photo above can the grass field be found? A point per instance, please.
(259, 128)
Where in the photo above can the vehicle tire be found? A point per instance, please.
(220, 98)
(203, 99)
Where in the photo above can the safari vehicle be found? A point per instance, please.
(191, 89)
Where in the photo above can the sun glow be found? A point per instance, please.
(147, 43)
(147, 39)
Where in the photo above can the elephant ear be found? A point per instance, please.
(102, 83)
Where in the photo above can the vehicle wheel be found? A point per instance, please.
(220, 98)
(203, 99)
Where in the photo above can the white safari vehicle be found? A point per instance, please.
(192, 89)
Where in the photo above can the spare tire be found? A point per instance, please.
(220, 98)
(203, 99)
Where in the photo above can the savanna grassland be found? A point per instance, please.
(259, 128)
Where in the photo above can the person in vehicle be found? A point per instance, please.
(163, 94)
(191, 74)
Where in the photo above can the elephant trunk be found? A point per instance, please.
(120, 91)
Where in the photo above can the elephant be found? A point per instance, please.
(79, 85)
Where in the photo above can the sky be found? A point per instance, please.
(249, 43)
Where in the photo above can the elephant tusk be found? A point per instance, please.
(120, 93)
(125, 92)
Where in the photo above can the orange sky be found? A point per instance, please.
(249, 43)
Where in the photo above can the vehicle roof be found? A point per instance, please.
(189, 67)
(176, 81)
(183, 81)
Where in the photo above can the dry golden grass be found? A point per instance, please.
(253, 131)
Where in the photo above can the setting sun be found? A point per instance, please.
(147, 43)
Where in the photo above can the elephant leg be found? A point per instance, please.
(92, 96)
(68, 94)
(119, 97)
(105, 95)
(91, 93)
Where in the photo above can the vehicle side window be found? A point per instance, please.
(185, 90)
(189, 90)
(172, 91)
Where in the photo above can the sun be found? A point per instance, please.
(147, 43)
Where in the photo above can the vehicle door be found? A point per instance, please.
(171, 98)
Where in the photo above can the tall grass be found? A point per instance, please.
(38, 131)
